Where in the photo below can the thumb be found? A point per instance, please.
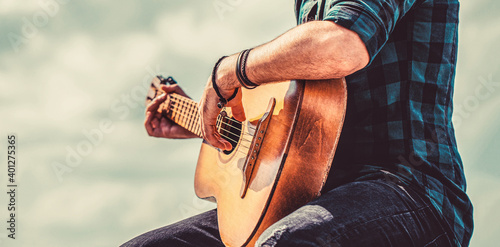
(238, 111)
(173, 89)
(168, 88)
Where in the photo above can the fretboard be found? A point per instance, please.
(184, 112)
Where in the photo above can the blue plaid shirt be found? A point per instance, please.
(399, 108)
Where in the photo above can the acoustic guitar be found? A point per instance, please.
(280, 156)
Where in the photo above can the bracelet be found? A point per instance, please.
(222, 100)
(241, 70)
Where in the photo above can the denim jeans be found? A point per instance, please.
(365, 213)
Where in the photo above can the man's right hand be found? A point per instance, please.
(159, 126)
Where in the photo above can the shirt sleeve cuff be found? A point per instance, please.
(361, 19)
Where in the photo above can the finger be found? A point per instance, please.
(153, 105)
(155, 123)
(165, 130)
(208, 115)
(152, 125)
(226, 143)
(173, 89)
(157, 115)
(209, 131)
(238, 111)
(214, 138)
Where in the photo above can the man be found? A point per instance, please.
(397, 178)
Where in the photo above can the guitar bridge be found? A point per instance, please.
(255, 146)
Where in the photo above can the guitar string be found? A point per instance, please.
(248, 148)
(182, 120)
(183, 103)
(186, 117)
(221, 122)
(180, 104)
(172, 107)
(236, 135)
(194, 126)
(173, 96)
(187, 110)
(220, 133)
(193, 103)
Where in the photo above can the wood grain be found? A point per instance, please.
(293, 163)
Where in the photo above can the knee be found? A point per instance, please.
(142, 241)
(154, 238)
(304, 227)
(284, 238)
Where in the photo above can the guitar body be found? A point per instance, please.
(292, 164)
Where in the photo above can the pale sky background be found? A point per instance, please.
(79, 64)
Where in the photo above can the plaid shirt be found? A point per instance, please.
(399, 108)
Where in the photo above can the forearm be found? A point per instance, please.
(313, 51)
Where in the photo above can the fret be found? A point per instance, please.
(178, 113)
(186, 117)
(176, 116)
(184, 112)
(190, 116)
(174, 111)
(191, 119)
(194, 110)
(181, 113)
(196, 126)
(180, 109)
(196, 119)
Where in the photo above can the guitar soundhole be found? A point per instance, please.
(230, 130)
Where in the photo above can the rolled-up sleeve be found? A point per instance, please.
(372, 20)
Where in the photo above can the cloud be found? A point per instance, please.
(93, 54)
(13, 7)
(484, 191)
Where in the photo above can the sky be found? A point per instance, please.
(73, 76)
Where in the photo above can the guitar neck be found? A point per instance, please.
(183, 111)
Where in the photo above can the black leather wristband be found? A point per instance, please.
(241, 70)
(222, 100)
